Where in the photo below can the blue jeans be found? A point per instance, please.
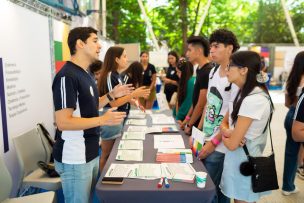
(78, 180)
(214, 164)
(291, 154)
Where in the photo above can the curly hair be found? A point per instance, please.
(226, 37)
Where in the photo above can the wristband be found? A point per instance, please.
(188, 118)
(215, 141)
(109, 97)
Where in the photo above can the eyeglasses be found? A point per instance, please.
(233, 65)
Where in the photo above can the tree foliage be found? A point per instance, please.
(260, 21)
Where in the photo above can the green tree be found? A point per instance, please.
(125, 23)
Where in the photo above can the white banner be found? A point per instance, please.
(27, 78)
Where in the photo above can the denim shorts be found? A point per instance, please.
(110, 132)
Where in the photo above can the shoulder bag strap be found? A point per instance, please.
(267, 125)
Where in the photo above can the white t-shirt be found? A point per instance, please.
(217, 105)
(257, 107)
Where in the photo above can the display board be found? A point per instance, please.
(26, 79)
(61, 49)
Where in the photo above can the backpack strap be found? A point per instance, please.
(216, 66)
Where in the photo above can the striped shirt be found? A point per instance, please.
(299, 113)
(113, 79)
(74, 88)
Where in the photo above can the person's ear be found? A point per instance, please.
(244, 71)
(117, 60)
(230, 48)
(80, 43)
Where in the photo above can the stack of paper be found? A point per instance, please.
(130, 144)
(149, 170)
(137, 129)
(174, 156)
(176, 171)
(159, 119)
(168, 142)
(133, 136)
(136, 122)
(162, 129)
(137, 116)
(182, 172)
(129, 155)
(120, 170)
(133, 112)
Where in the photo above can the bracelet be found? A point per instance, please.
(109, 97)
(187, 118)
(215, 141)
(112, 95)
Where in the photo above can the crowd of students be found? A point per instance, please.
(226, 99)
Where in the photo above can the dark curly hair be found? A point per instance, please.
(226, 37)
(201, 42)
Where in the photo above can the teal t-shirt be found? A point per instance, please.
(186, 105)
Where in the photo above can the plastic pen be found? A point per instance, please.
(167, 185)
(160, 183)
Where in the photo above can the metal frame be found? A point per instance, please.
(43, 9)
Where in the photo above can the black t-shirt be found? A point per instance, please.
(74, 88)
(201, 82)
(299, 114)
(171, 74)
(147, 74)
(113, 79)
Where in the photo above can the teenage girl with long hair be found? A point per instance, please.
(149, 79)
(185, 89)
(115, 63)
(249, 113)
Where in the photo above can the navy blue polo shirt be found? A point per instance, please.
(147, 74)
(299, 113)
(113, 79)
(74, 88)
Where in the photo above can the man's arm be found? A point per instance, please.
(198, 109)
(66, 121)
(298, 131)
(201, 123)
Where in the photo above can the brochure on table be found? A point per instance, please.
(198, 140)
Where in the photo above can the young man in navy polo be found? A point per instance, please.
(76, 104)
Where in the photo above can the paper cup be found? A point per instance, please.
(201, 178)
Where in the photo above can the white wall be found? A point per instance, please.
(25, 51)
(290, 53)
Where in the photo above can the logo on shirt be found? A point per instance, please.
(91, 90)
(213, 119)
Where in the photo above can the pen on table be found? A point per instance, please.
(160, 183)
(167, 185)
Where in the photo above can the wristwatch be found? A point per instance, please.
(109, 97)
